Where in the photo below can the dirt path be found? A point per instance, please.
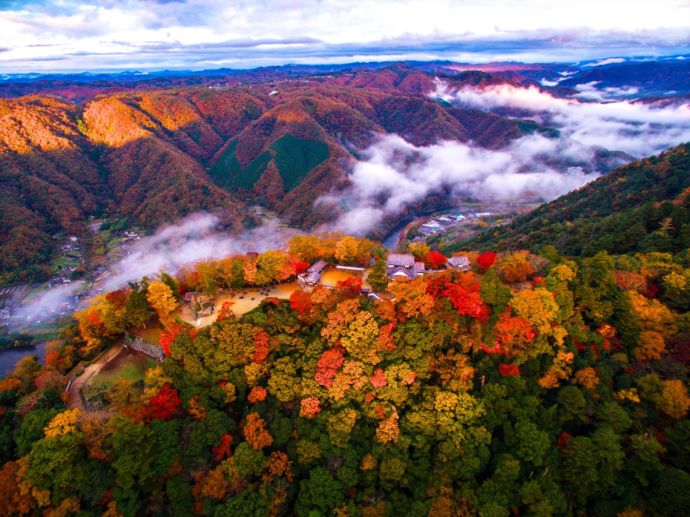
(407, 228)
(74, 398)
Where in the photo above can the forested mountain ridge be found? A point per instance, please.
(527, 385)
(156, 155)
(643, 206)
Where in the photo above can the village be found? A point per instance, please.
(457, 225)
(34, 312)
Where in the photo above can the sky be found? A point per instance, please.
(69, 35)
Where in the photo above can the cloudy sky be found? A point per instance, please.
(70, 35)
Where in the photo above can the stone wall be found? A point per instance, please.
(145, 347)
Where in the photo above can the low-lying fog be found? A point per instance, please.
(396, 174)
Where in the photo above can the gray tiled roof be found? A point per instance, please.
(400, 260)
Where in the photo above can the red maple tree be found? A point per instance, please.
(509, 370)
(222, 450)
(261, 348)
(300, 302)
(435, 259)
(486, 260)
(165, 404)
(329, 363)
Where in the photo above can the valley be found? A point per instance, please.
(305, 145)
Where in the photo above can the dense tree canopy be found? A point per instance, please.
(527, 386)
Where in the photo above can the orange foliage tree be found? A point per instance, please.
(255, 432)
(515, 267)
(329, 363)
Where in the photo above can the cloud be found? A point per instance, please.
(636, 128)
(47, 306)
(590, 92)
(609, 61)
(186, 33)
(394, 174)
(196, 237)
(397, 174)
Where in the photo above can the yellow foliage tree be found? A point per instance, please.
(161, 298)
(411, 298)
(515, 267)
(346, 249)
(587, 377)
(99, 320)
(154, 380)
(340, 426)
(62, 423)
(536, 306)
(653, 315)
(388, 430)
(558, 371)
(419, 249)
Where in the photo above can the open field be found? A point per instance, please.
(128, 364)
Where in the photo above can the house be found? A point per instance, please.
(200, 303)
(312, 275)
(461, 263)
(404, 260)
(404, 266)
(193, 297)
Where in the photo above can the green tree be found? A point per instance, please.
(378, 277)
(321, 493)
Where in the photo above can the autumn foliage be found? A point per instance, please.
(165, 405)
(255, 432)
(329, 363)
(486, 260)
(435, 260)
(331, 400)
(509, 370)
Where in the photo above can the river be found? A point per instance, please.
(10, 356)
(393, 238)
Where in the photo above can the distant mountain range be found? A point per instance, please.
(650, 75)
(158, 154)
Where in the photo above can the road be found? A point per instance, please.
(74, 398)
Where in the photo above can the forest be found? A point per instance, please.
(532, 384)
(643, 206)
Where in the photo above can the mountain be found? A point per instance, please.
(524, 385)
(61, 163)
(663, 77)
(643, 206)
(155, 155)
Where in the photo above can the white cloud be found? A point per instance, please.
(396, 174)
(47, 306)
(609, 61)
(158, 34)
(590, 92)
(636, 128)
(192, 239)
